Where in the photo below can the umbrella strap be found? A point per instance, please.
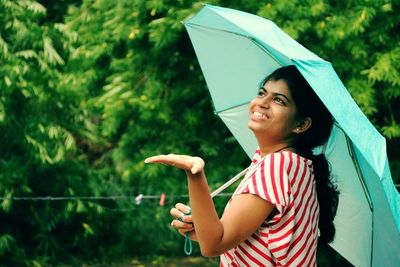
(188, 247)
(188, 244)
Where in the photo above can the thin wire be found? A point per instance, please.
(51, 198)
(58, 198)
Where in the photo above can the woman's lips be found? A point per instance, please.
(256, 115)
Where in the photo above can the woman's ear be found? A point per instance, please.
(303, 126)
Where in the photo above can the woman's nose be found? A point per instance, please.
(265, 102)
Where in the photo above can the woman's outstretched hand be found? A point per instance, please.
(192, 165)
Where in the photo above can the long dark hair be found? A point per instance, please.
(309, 105)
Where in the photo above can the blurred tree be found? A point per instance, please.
(41, 125)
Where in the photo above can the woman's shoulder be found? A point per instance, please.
(286, 157)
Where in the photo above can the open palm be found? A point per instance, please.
(189, 164)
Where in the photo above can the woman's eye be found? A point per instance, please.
(261, 93)
(278, 100)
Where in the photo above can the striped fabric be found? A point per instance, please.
(286, 180)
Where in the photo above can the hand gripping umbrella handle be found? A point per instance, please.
(188, 242)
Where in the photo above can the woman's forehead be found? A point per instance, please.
(278, 86)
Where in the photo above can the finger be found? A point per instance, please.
(184, 231)
(192, 234)
(183, 208)
(176, 213)
(170, 159)
(197, 164)
(181, 225)
(155, 159)
(186, 219)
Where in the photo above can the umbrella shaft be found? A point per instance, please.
(227, 184)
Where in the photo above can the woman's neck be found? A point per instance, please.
(265, 150)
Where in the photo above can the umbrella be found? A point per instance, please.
(236, 50)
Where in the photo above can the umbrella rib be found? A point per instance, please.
(352, 154)
(218, 30)
(231, 107)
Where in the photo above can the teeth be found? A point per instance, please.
(258, 114)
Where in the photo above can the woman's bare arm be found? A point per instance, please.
(244, 215)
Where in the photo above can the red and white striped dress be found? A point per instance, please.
(286, 180)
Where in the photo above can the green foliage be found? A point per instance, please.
(87, 92)
(41, 127)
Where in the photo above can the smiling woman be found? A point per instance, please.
(273, 216)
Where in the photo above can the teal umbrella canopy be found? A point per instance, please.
(236, 50)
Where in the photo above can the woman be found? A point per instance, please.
(273, 216)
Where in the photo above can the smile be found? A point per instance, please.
(259, 115)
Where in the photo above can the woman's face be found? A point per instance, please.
(273, 113)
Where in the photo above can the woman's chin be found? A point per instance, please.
(253, 126)
(255, 130)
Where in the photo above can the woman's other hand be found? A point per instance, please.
(182, 220)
